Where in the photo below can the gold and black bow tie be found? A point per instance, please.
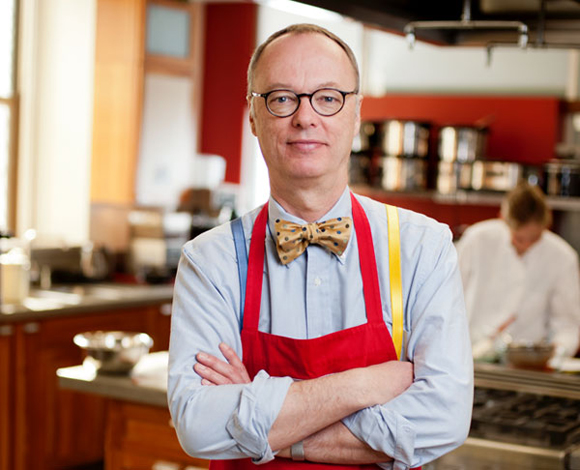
(292, 239)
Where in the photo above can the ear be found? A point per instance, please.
(251, 116)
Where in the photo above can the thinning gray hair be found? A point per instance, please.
(301, 28)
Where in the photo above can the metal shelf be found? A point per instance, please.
(475, 198)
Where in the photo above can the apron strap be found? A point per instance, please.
(395, 277)
(255, 271)
(242, 256)
(368, 263)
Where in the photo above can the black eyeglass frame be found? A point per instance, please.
(300, 96)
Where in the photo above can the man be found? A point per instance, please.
(520, 279)
(319, 382)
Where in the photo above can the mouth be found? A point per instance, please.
(305, 144)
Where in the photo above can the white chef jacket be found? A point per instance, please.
(541, 287)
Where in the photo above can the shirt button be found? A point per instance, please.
(317, 281)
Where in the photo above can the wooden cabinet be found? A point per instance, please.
(6, 396)
(141, 437)
(119, 66)
(65, 428)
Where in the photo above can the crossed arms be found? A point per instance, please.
(312, 409)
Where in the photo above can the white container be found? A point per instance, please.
(14, 276)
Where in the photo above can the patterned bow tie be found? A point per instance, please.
(293, 238)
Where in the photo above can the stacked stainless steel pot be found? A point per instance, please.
(562, 177)
(392, 154)
(463, 164)
(395, 155)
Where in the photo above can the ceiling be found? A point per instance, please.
(550, 23)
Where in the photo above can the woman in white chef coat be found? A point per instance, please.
(520, 278)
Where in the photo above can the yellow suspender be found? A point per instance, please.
(395, 277)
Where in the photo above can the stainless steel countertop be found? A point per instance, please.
(63, 300)
(552, 383)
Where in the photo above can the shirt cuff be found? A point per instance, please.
(259, 406)
(386, 432)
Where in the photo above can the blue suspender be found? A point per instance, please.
(242, 255)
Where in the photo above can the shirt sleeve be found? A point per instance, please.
(215, 422)
(432, 417)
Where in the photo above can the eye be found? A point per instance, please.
(282, 97)
(328, 98)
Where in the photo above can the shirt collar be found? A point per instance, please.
(342, 208)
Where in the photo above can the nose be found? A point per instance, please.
(305, 115)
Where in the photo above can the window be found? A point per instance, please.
(8, 108)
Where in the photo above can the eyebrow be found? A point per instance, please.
(283, 86)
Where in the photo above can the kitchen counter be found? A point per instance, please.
(64, 300)
(146, 384)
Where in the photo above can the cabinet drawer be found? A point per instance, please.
(141, 437)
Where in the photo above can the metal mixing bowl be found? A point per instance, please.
(529, 355)
(113, 351)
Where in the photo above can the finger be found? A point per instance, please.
(234, 374)
(217, 365)
(206, 382)
(235, 361)
(210, 375)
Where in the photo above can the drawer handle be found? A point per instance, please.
(31, 328)
(165, 310)
(6, 330)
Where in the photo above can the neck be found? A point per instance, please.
(308, 203)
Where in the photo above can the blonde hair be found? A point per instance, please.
(525, 204)
(301, 28)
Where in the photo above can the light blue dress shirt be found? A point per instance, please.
(317, 294)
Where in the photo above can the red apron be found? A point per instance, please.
(359, 346)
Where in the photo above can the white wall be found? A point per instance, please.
(56, 86)
(168, 144)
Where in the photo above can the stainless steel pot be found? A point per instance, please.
(366, 139)
(562, 178)
(359, 170)
(495, 176)
(462, 143)
(398, 138)
(403, 174)
(453, 176)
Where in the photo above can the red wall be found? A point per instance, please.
(230, 32)
(522, 129)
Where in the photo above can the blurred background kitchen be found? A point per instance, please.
(124, 133)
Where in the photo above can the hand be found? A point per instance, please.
(214, 371)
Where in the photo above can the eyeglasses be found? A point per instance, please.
(284, 103)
